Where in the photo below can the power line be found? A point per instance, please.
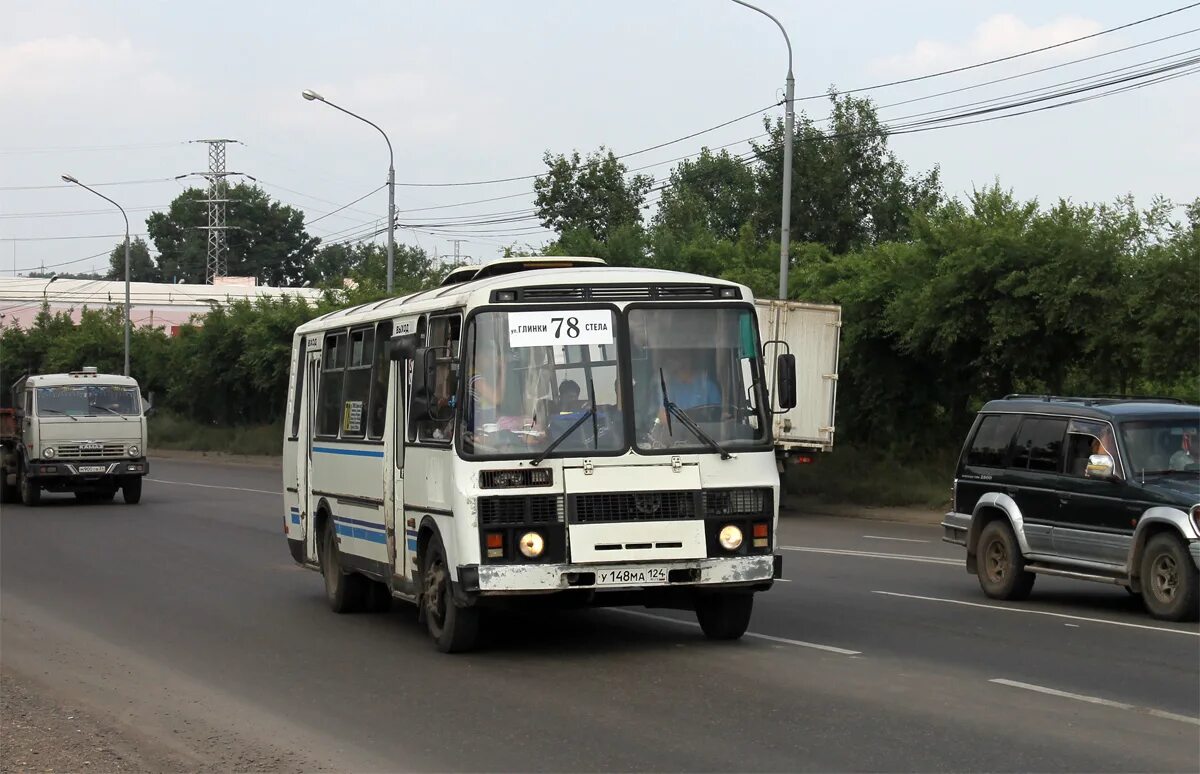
(93, 185)
(345, 206)
(73, 236)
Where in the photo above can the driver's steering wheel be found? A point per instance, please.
(710, 412)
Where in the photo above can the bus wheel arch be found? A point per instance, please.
(454, 627)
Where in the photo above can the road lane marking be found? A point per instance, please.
(898, 540)
(214, 486)
(1039, 612)
(784, 580)
(1096, 700)
(768, 637)
(876, 555)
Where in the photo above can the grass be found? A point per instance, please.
(168, 431)
(863, 476)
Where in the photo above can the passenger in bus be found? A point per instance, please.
(568, 396)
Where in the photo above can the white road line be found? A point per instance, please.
(898, 540)
(1096, 700)
(214, 486)
(876, 555)
(769, 638)
(1040, 612)
(784, 580)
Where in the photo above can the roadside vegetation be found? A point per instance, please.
(948, 302)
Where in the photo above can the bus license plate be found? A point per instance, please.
(631, 576)
(91, 468)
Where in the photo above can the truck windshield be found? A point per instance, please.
(82, 400)
(706, 362)
(1161, 446)
(534, 377)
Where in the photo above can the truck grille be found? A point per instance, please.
(520, 509)
(634, 506)
(78, 451)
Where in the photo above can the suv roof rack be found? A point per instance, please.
(1095, 400)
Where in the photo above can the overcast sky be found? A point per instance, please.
(467, 91)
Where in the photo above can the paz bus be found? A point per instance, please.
(539, 427)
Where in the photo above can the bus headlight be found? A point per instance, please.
(730, 537)
(134, 451)
(49, 452)
(532, 544)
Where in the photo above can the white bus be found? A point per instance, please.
(540, 426)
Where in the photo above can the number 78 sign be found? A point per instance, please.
(560, 326)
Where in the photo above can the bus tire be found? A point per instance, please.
(345, 591)
(454, 629)
(724, 615)
(31, 492)
(131, 490)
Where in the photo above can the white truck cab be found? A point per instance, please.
(81, 432)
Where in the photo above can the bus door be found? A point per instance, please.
(304, 455)
(404, 535)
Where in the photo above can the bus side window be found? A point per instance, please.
(413, 421)
(299, 382)
(445, 334)
(358, 383)
(381, 367)
(329, 398)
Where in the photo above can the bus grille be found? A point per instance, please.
(635, 506)
(520, 509)
(75, 451)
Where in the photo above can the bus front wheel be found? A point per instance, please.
(724, 615)
(453, 628)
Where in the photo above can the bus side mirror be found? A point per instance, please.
(785, 380)
(422, 382)
(403, 347)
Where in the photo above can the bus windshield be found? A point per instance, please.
(703, 364)
(88, 400)
(537, 377)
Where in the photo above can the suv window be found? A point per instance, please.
(1085, 438)
(1039, 444)
(992, 439)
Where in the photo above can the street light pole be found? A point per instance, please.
(785, 229)
(69, 179)
(311, 95)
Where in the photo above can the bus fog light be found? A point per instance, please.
(730, 537)
(532, 545)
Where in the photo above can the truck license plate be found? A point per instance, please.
(91, 468)
(631, 576)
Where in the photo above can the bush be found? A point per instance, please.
(170, 431)
(870, 476)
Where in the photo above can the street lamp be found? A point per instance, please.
(785, 230)
(69, 179)
(311, 95)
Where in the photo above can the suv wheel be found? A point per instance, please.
(1170, 579)
(1001, 568)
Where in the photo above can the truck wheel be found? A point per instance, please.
(345, 591)
(8, 492)
(131, 490)
(1170, 579)
(31, 492)
(724, 615)
(1002, 573)
(453, 628)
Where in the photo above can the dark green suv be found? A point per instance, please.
(1095, 489)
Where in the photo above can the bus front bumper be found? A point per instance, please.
(736, 571)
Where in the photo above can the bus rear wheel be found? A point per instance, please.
(346, 592)
(454, 628)
(724, 615)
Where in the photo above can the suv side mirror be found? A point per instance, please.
(785, 380)
(149, 410)
(1099, 466)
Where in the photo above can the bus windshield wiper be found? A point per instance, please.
(589, 414)
(58, 411)
(111, 411)
(687, 421)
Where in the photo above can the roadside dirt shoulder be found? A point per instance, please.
(905, 515)
(43, 732)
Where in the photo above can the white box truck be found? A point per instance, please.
(811, 332)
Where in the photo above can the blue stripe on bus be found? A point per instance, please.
(348, 452)
(370, 536)
(359, 522)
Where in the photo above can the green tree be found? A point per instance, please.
(848, 188)
(266, 239)
(715, 194)
(592, 196)
(142, 267)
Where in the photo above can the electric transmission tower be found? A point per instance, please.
(218, 263)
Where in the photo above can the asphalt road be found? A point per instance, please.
(186, 621)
